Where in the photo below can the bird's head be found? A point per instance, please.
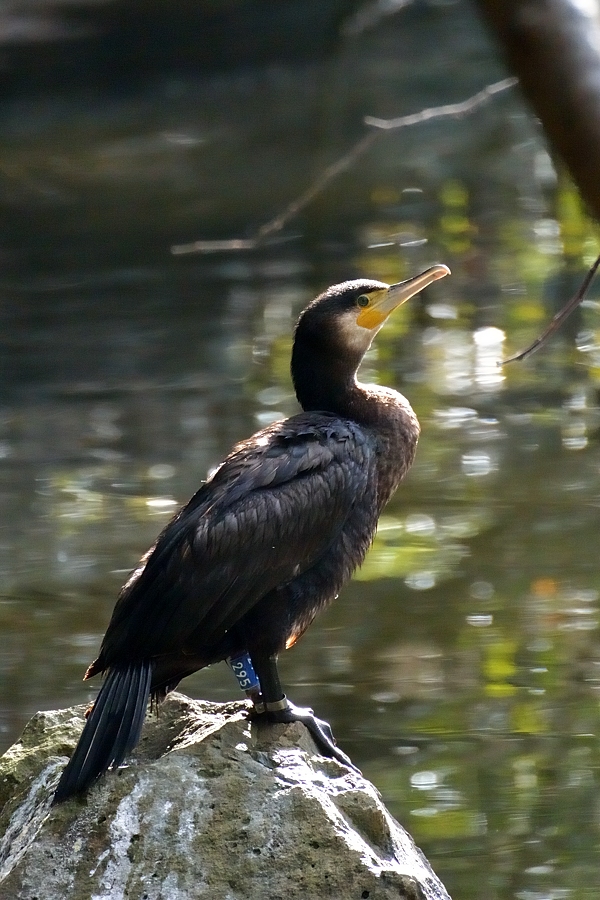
(350, 314)
(335, 330)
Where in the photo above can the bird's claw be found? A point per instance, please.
(319, 730)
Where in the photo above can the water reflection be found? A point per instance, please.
(461, 668)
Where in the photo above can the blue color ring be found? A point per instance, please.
(242, 668)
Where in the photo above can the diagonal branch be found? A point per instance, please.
(440, 112)
(558, 319)
(342, 164)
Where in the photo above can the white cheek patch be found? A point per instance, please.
(353, 335)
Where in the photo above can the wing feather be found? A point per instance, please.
(270, 512)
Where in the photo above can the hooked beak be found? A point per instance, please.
(388, 299)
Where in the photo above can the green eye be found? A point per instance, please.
(363, 300)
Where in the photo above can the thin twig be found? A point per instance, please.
(558, 319)
(440, 112)
(343, 163)
(214, 246)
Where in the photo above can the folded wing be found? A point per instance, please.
(270, 512)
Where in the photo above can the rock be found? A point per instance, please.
(208, 807)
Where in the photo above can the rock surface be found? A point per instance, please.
(209, 807)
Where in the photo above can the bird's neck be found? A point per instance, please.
(385, 413)
(325, 380)
(323, 389)
(337, 390)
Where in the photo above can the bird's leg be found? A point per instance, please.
(241, 666)
(277, 708)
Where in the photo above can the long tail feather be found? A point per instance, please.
(112, 730)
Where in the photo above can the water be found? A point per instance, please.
(461, 667)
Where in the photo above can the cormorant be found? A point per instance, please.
(267, 541)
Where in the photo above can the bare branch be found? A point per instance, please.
(440, 112)
(214, 246)
(558, 319)
(341, 165)
(318, 185)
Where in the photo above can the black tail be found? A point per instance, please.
(113, 728)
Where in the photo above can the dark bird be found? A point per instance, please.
(267, 541)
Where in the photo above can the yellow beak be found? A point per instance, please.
(386, 300)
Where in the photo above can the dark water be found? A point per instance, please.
(461, 667)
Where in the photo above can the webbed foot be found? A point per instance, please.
(319, 730)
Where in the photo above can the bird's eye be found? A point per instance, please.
(362, 300)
